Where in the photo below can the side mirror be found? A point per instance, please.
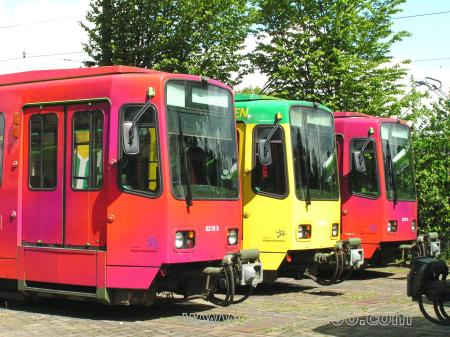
(359, 162)
(265, 153)
(130, 138)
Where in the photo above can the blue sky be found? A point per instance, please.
(430, 39)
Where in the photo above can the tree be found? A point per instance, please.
(432, 160)
(249, 90)
(331, 51)
(186, 36)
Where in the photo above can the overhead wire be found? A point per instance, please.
(42, 55)
(420, 15)
(432, 59)
(25, 56)
(40, 22)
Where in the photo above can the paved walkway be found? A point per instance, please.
(372, 303)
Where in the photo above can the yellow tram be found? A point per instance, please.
(291, 203)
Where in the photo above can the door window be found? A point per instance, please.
(140, 173)
(365, 183)
(270, 179)
(87, 159)
(43, 151)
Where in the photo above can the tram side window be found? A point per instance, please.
(270, 179)
(43, 151)
(87, 159)
(2, 134)
(140, 172)
(366, 183)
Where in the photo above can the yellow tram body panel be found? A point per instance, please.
(271, 223)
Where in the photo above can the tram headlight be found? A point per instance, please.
(232, 237)
(179, 240)
(414, 225)
(334, 229)
(304, 232)
(185, 239)
(392, 226)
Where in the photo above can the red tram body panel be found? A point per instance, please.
(78, 216)
(371, 201)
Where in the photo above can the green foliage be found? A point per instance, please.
(331, 51)
(186, 36)
(431, 141)
(249, 90)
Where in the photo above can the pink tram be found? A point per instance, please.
(379, 202)
(115, 187)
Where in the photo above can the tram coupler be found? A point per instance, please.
(246, 266)
(345, 256)
(425, 245)
(243, 269)
(351, 250)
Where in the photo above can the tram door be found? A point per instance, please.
(85, 199)
(8, 227)
(42, 207)
(64, 200)
(240, 133)
(340, 152)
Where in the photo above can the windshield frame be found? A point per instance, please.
(234, 135)
(413, 173)
(301, 174)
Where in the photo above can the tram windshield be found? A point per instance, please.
(314, 154)
(202, 141)
(398, 162)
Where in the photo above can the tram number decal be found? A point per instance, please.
(212, 228)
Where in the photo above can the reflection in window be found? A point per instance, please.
(140, 172)
(365, 183)
(314, 154)
(87, 160)
(43, 151)
(398, 162)
(2, 134)
(270, 179)
(202, 141)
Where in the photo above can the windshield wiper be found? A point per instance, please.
(307, 165)
(188, 191)
(391, 169)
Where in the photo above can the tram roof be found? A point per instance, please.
(355, 116)
(60, 74)
(257, 109)
(344, 114)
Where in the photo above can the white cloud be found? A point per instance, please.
(61, 34)
(419, 71)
